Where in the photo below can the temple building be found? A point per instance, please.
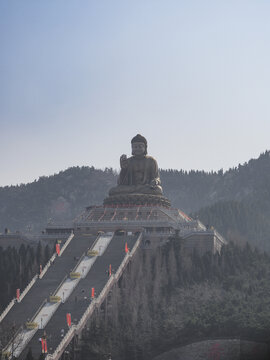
(137, 204)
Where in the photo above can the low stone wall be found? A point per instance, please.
(222, 349)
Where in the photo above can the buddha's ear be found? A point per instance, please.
(145, 152)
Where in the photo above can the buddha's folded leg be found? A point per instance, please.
(122, 189)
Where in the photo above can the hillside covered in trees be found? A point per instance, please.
(165, 299)
(18, 267)
(169, 298)
(236, 202)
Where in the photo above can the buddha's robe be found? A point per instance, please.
(140, 176)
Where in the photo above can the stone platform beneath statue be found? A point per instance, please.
(157, 223)
(156, 219)
(137, 200)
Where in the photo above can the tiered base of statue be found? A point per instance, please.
(137, 199)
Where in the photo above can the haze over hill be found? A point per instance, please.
(236, 202)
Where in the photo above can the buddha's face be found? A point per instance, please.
(138, 148)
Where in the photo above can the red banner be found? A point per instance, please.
(57, 247)
(93, 293)
(68, 319)
(44, 345)
(17, 294)
(126, 248)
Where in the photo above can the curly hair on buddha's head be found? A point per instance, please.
(140, 139)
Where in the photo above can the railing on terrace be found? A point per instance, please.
(125, 222)
(190, 232)
(171, 214)
(219, 236)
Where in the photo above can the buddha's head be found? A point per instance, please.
(139, 145)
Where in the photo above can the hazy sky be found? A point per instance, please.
(80, 78)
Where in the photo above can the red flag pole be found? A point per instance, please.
(17, 294)
(110, 270)
(93, 293)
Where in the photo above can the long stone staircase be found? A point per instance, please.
(75, 294)
(24, 310)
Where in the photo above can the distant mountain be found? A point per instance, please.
(242, 208)
(194, 190)
(57, 198)
(236, 202)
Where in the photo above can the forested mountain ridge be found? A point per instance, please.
(193, 190)
(217, 198)
(244, 213)
(170, 298)
(17, 268)
(59, 197)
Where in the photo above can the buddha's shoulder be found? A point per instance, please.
(145, 158)
(150, 158)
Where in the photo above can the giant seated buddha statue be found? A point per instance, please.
(139, 181)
